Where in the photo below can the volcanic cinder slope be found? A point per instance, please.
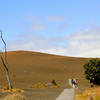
(27, 68)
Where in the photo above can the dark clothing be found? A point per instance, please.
(72, 81)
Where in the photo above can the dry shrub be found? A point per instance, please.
(89, 94)
(45, 85)
(17, 90)
(5, 87)
(15, 97)
(97, 98)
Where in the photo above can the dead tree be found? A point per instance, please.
(5, 63)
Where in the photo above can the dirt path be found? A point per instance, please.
(67, 94)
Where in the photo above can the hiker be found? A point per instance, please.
(72, 81)
(76, 83)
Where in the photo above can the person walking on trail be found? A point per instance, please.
(72, 81)
(76, 83)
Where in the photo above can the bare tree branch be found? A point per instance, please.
(4, 61)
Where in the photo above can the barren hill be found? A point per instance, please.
(27, 67)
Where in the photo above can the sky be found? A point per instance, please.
(61, 27)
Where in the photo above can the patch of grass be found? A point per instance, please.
(15, 97)
(97, 98)
(89, 94)
(45, 85)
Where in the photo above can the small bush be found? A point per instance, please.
(5, 87)
(15, 97)
(92, 71)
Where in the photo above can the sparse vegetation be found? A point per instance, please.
(89, 94)
(15, 97)
(45, 85)
(92, 71)
(54, 82)
(97, 98)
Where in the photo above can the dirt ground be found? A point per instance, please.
(28, 68)
(42, 94)
(45, 93)
(38, 94)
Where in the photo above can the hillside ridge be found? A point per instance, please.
(27, 67)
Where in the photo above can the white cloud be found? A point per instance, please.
(56, 18)
(31, 42)
(56, 51)
(37, 27)
(34, 23)
(85, 43)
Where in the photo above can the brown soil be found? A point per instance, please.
(27, 68)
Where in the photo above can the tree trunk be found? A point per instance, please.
(7, 72)
(4, 61)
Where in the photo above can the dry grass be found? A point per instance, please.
(15, 97)
(44, 85)
(89, 94)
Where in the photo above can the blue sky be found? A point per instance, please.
(47, 25)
